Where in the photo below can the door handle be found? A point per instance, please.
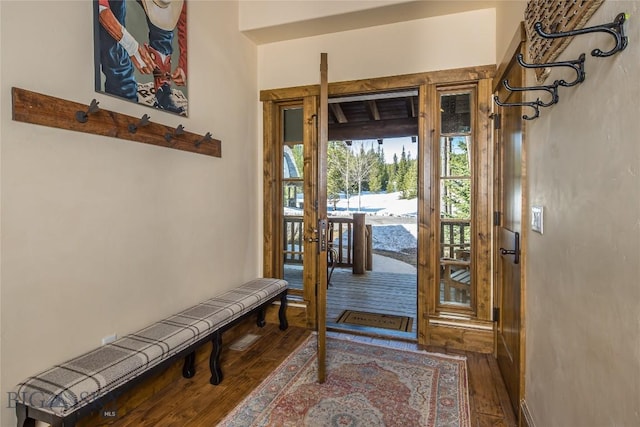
(515, 252)
(322, 226)
(321, 235)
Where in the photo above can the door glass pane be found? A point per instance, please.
(293, 124)
(292, 206)
(455, 163)
(455, 113)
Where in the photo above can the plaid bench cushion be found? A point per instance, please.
(76, 383)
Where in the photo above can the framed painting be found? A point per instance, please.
(140, 52)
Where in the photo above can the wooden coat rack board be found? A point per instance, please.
(32, 107)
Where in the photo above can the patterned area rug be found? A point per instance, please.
(367, 385)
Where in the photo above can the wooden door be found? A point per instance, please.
(510, 179)
(321, 204)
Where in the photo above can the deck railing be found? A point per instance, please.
(455, 237)
(342, 238)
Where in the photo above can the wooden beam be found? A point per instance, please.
(411, 108)
(394, 128)
(365, 86)
(35, 108)
(338, 114)
(372, 109)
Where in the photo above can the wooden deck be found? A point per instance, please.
(378, 292)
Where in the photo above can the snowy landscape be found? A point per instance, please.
(393, 220)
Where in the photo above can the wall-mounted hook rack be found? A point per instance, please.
(36, 108)
(576, 64)
(533, 104)
(552, 89)
(615, 29)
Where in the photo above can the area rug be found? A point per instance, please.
(366, 385)
(376, 320)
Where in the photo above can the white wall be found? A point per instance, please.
(445, 42)
(261, 14)
(583, 292)
(101, 235)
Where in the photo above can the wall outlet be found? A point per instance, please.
(537, 218)
(109, 339)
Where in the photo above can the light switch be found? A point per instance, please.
(537, 218)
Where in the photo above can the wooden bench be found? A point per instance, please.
(69, 391)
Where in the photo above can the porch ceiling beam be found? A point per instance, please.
(395, 128)
(411, 109)
(372, 109)
(338, 114)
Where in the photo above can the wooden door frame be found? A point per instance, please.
(517, 45)
(471, 333)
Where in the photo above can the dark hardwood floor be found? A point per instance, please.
(170, 400)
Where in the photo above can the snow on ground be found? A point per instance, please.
(395, 238)
(387, 236)
(385, 204)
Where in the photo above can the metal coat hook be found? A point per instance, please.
(144, 120)
(179, 131)
(533, 104)
(83, 116)
(576, 64)
(552, 89)
(205, 138)
(615, 28)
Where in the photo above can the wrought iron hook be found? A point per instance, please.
(83, 116)
(205, 138)
(144, 120)
(615, 28)
(179, 131)
(552, 89)
(533, 104)
(576, 64)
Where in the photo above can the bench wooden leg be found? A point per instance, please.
(189, 367)
(214, 359)
(282, 313)
(261, 313)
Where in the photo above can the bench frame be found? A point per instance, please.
(27, 415)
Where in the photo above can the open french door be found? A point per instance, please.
(510, 179)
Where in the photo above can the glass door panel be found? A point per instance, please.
(455, 155)
(292, 180)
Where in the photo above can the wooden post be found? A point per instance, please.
(369, 256)
(359, 244)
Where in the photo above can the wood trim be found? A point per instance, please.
(473, 336)
(482, 202)
(310, 111)
(425, 230)
(269, 190)
(457, 75)
(519, 37)
(526, 420)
